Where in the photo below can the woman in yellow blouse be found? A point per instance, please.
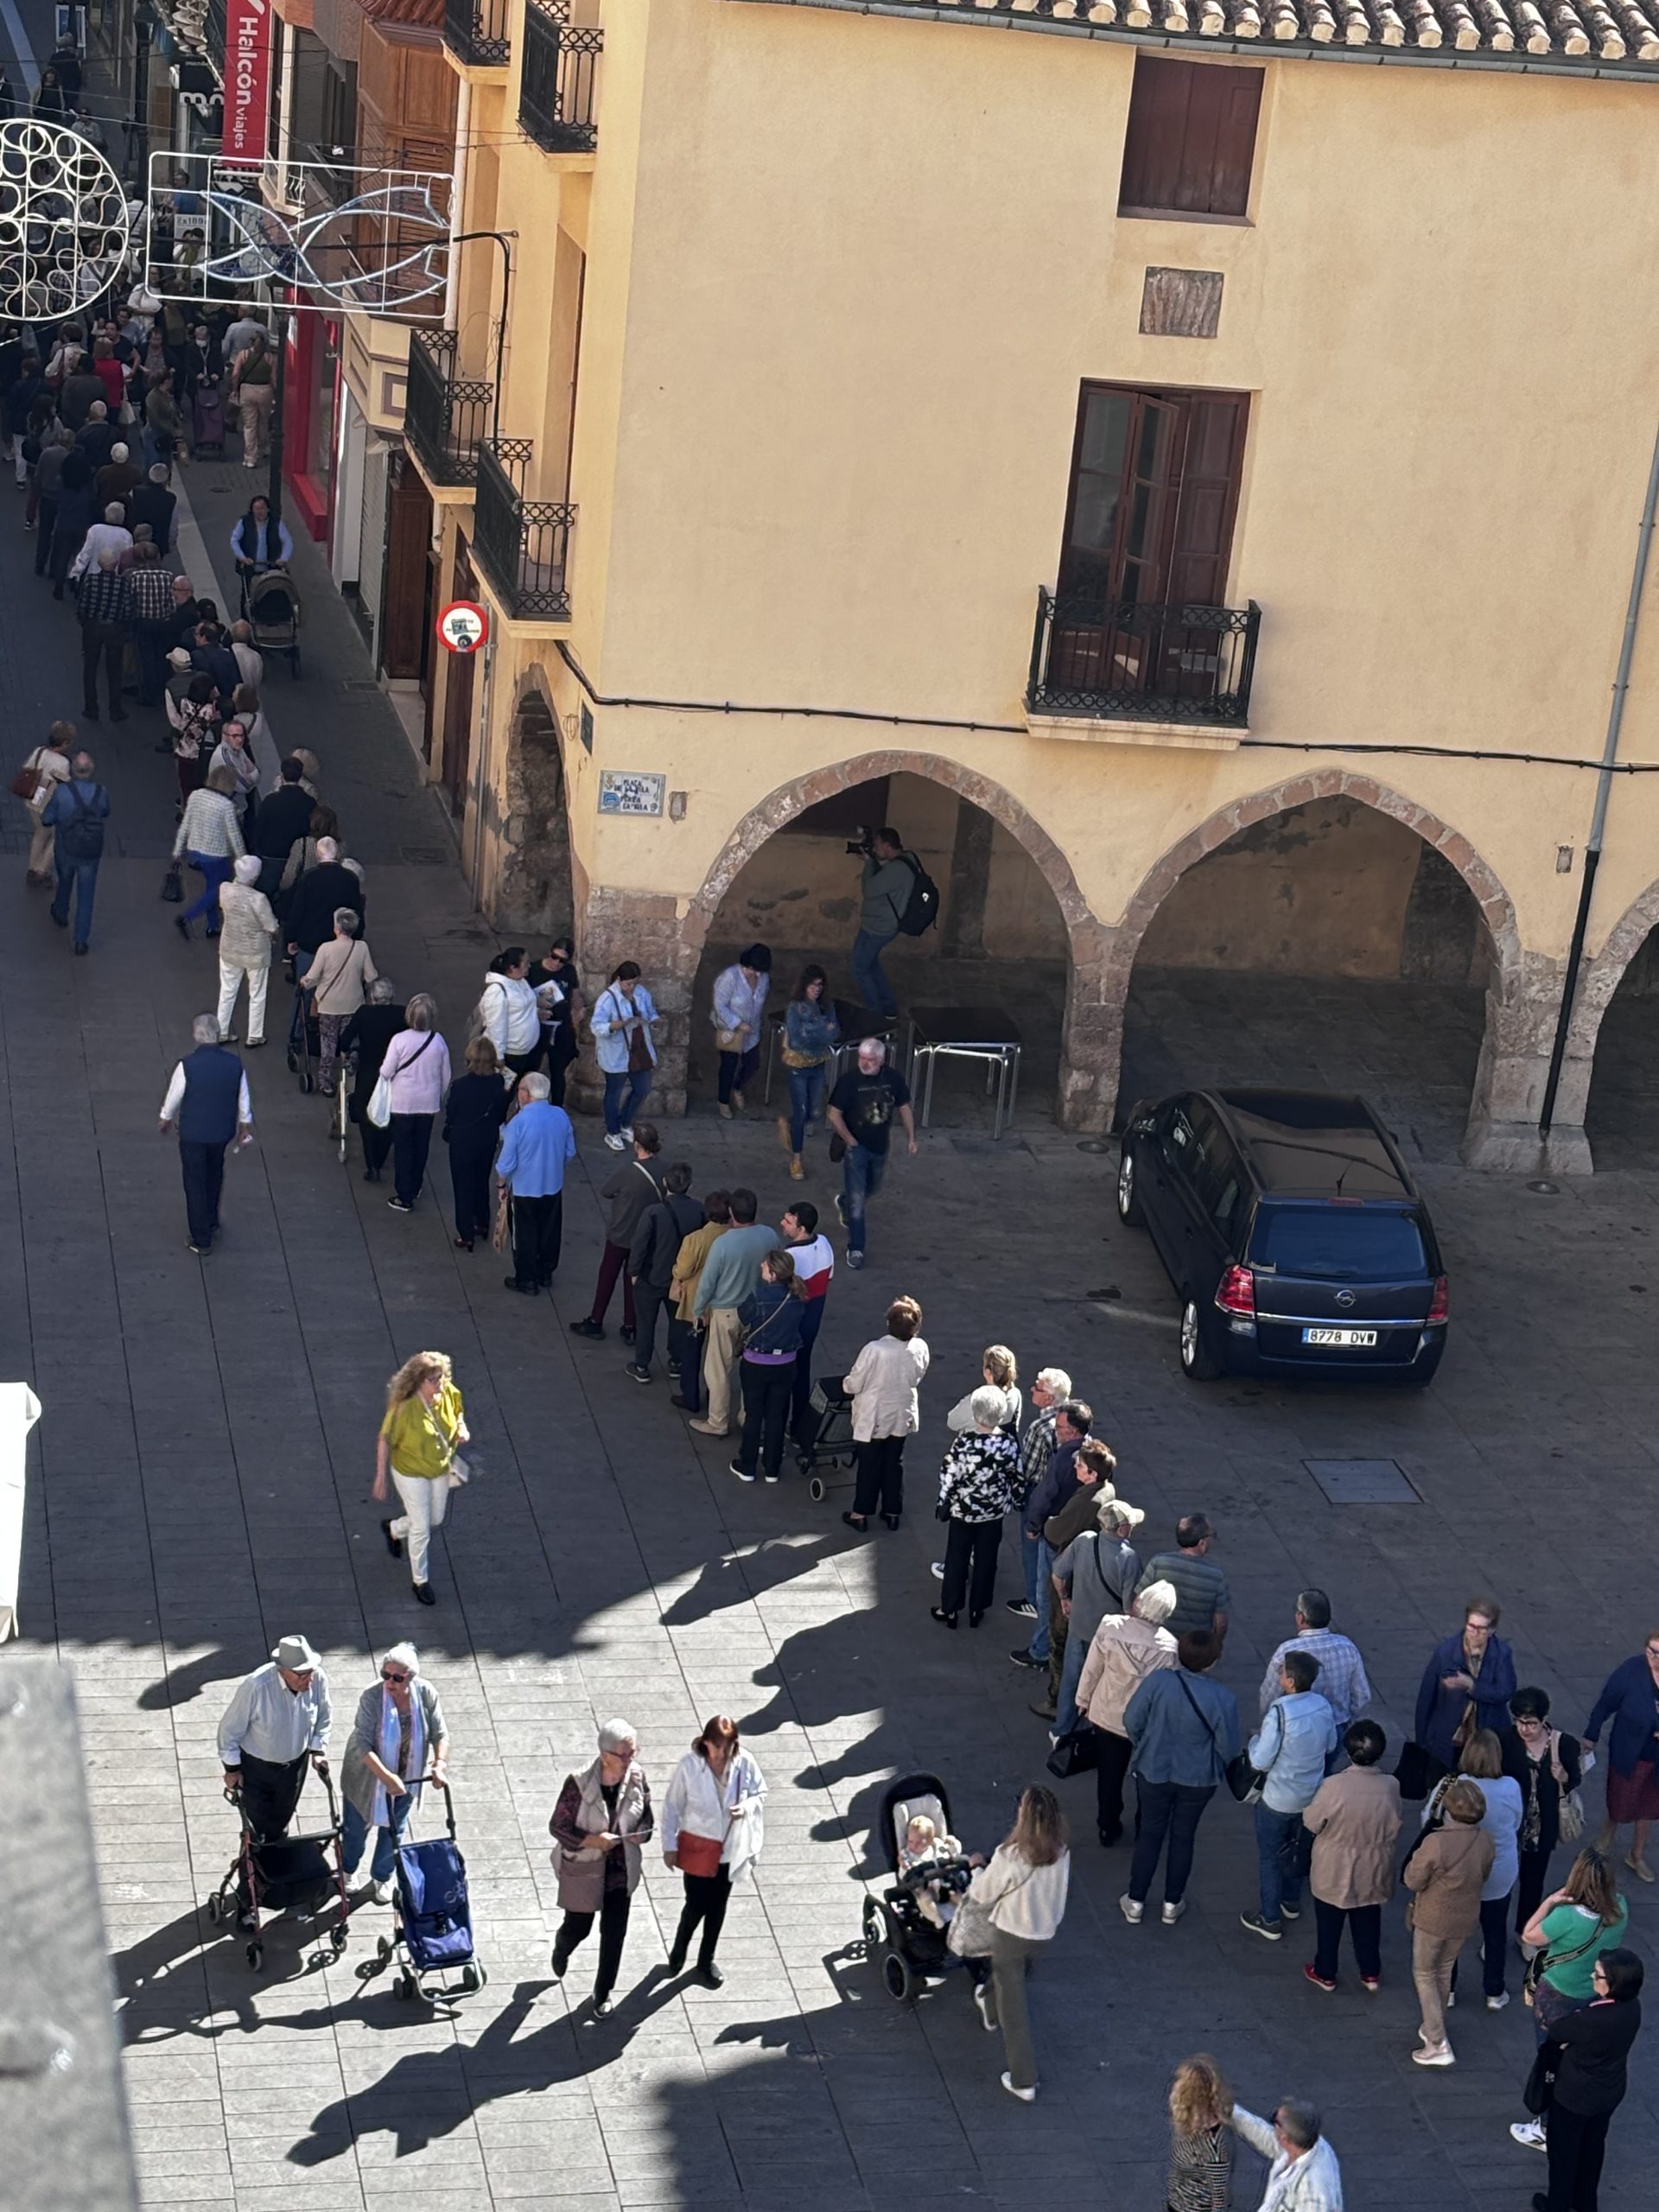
(425, 1425)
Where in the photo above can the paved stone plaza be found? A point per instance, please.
(201, 1487)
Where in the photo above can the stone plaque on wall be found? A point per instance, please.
(1181, 303)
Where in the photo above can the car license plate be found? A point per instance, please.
(1338, 1336)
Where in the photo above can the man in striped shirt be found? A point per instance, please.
(1343, 1682)
(1049, 1392)
(1201, 1592)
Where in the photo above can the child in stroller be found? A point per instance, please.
(934, 1868)
(906, 1925)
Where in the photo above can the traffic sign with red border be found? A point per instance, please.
(463, 627)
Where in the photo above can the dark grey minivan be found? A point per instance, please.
(1293, 1231)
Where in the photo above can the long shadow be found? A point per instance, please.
(429, 2093)
(180, 1684)
(736, 1578)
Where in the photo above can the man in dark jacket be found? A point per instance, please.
(96, 437)
(628, 1192)
(206, 1106)
(368, 1033)
(81, 393)
(662, 1228)
(76, 505)
(154, 504)
(317, 894)
(1095, 1463)
(1051, 1496)
(282, 817)
(211, 654)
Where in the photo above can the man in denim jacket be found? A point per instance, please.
(1291, 1748)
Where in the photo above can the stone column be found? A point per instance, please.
(617, 925)
(1523, 1007)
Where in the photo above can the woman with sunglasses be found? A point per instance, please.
(558, 991)
(397, 1739)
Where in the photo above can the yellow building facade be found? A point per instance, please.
(1304, 356)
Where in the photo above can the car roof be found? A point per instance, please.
(1316, 1144)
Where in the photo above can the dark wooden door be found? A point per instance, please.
(409, 533)
(458, 696)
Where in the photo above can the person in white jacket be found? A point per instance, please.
(621, 1023)
(1002, 1372)
(712, 1828)
(881, 1383)
(1304, 2175)
(508, 1013)
(740, 1003)
(1022, 1889)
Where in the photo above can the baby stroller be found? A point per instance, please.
(826, 1439)
(207, 420)
(912, 1950)
(290, 1873)
(270, 607)
(432, 1917)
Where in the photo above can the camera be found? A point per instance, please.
(861, 842)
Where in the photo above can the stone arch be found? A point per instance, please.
(1087, 1051)
(1504, 1045)
(1601, 975)
(535, 890)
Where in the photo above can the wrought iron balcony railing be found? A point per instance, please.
(522, 545)
(558, 88)
(475, 31)
(446, 416)
(1118, 661)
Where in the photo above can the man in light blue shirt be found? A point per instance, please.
(1290, 1748)
(729, 1275)
(539, 1142)
(1343, 1681)
(256, 542)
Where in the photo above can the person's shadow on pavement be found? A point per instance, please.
(735, 1579)
(181, 1683)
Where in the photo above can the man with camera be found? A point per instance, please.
(886, 886)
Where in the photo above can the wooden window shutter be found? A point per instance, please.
(1191, 140)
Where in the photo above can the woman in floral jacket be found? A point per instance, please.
(978, 1484)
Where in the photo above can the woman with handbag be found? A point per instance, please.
(713, 1829)
(473, 1115)
(812, 1034)
(414, 1076)
(1546, 1766)
(425, 1426)
(1445, 1873)
(1572, 1927)
(771, 1316)
(602, 1818)
(625, 1050)
(740, 1003)
(1013, 1907)
(1582, 2080)
(46, 767)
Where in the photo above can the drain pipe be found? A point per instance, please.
(1603, 789)
(457, 209)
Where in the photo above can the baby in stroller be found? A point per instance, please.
(934, 1868)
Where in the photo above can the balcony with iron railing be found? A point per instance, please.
(446, 416)
(522, 545)
(1183, 663)
(558, 86)
(475, 32)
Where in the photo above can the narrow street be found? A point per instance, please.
(201, 1487)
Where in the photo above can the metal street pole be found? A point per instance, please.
(279, 410)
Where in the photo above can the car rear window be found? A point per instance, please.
(1338, 1244)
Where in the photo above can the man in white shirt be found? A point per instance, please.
(1304, 2176)
(111, 535)
(278, 1717)
(815, 1265)
(207, 1103)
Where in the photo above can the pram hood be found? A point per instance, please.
(272, 598)
(905, 1799)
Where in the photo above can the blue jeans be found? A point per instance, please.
(624, 1094)
(355, 1834)
(874, 988)
(805, 1101)
(1278, 1848)
(861, 1173)
(1029, 1563)
(1067, 1716)
(1038, 1648)
(83, 876)
(213, 871)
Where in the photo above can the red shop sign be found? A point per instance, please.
(248, 28)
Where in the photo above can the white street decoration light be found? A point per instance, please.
(19, 1411)
(63, 221)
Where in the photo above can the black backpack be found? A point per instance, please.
(81, 837)
(921, 909)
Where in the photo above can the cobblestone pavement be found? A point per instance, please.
(201, 1487)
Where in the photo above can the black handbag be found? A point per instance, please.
(1412, 1772)
(173, 884)
(1078, 1753)
(1540, 2091)
(1241, 1777)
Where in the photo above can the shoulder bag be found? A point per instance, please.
(1242, 1779)
(1569, 1811)
(971, 1925)
(28, 779)
(380, 1097)
(1539, 1965)
(1411, 1772)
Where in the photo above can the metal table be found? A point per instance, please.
(959, 1033)
(856, 1023)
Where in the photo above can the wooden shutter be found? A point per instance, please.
(1190, 141)
(1210, 469)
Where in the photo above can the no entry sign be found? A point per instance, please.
(463, 627)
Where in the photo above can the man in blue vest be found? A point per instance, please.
(207, 1102)
(77, 812)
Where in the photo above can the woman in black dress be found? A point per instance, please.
(472, 1114)
(557, 985)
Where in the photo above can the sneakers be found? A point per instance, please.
(936, 1570)
(1258, 1926)
(587, 1328)
(982, 2004)
(1172, 1913)
(1434, 2054)
(797, 1168)
(381, 1893)
(1022, 1607)
(615, 1142)
(1288, 1911)
(1026, 2096)
(627, 1133)
(705, 1428)
(400, 1205)
(639, 1374)
(854, 1261)
(723, 1110)
(1370, 1983)
(841, 1209)
(1319, 1982)
(1496, 2004)
(1021, 1657)
(744, 1474)
(1131, 1911)
(1043, 1712)
(1530, 2133)
(738, 1100)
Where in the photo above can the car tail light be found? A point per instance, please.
(1440, 1305)
(1237, 1293)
